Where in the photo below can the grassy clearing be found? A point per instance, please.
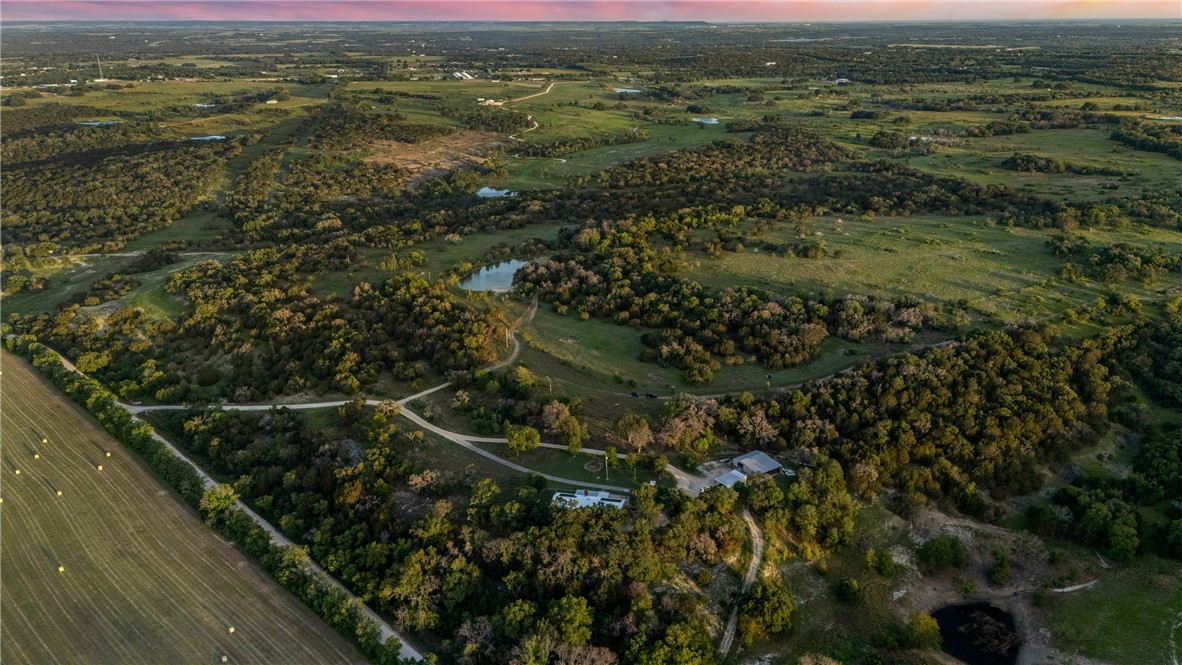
(69, 278)
(563, 464)
(1005, 273)
(197, 225)
(144, 581)
(151, 294)
(601, 351)
(1126, 619)
(438, 453)
(980, 160)
(549, 173)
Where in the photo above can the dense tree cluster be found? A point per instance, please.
(611, 270)
(295, 341)
(1154, 354)
(1165, 139)
(19, 122)
(499, 577)
(495, 119)
(774, 148)
(253, 186)
(72, 140)
(343, 128)
(568, 144)
(108, 198)
(983, 412)
(1035, 164)
(1114, 263)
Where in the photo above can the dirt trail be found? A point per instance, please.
(513, 137)
(757, 548)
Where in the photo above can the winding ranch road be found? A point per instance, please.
(757, 547)
(513, 137)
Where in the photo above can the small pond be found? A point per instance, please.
(631, 90)
(978, 634)
(493, 193)
(497, 278)
(707, 121)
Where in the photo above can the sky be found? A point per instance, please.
(739, 11)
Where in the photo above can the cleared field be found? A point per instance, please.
(115, 569)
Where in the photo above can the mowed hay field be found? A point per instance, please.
(144, 581)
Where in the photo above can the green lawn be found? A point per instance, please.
(1126, 619)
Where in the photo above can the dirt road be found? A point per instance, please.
(757, 548)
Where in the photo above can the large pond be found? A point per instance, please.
(628, 90)
(497, 278)
(978, 634)
(707, 121)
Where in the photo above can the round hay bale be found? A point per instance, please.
(61, 569)
(231, 630)
(44, 440)
(36, 455)
(108, 453)
(225, 659)
(18, 472)
(100, 467)
(59, 492)
(1, 499)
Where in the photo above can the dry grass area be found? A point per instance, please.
(114, 569)
(437, 156)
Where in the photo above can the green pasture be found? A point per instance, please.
(1130, 617)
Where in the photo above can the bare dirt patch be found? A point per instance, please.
(437, 156)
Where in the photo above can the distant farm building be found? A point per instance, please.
(731, 478)
(462, 76)
(756, 461)
(587, 499)
(843, 81)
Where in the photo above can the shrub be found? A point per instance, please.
(940, 553)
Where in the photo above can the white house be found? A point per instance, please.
(587, 499)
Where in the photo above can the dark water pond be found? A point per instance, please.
(978, 634)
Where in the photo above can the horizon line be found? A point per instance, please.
(584, 11)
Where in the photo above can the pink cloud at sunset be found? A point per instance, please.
(583, 10)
